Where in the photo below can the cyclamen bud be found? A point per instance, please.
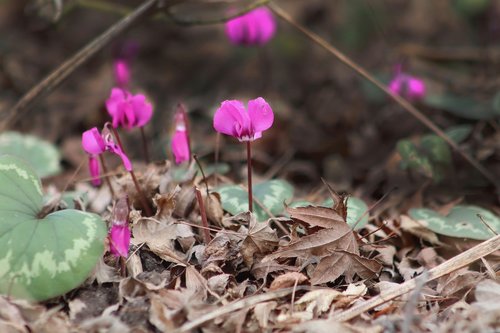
(180, 140)
(119, 235)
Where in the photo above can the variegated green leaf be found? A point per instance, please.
(462, 221)
(40, 154)
(272, 194)
(42, 257)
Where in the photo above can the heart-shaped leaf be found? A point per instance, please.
(42, 257)
(43, 157)
(272, 194)
(462, 221)
(464, 107)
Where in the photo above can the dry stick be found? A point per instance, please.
(237, 305)
(249, 171)
(62, 72)
(106, 179)
(466, 258)
(145, 146)
(204, 221)
(398, 99)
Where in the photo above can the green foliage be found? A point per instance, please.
(470, 8)
(462, 221)
(42, 257)
(40, 154)
(272, 194)
(465, 107)
(432, 156)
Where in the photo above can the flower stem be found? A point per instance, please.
(203, 213)
(123, 266)
(145, 146)
(106, 178)
(249, 171)
(142, 196)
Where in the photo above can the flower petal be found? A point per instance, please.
(117, 96)
(119, 237)
(142, 108)
(261, 115)
(267, 24)
(94, 170)
(180, 147)
(235, 30)
(92, 142)
(121, 72)
(231, 118)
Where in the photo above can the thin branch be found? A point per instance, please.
(398, 99)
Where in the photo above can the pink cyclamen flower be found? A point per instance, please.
(407, 86)
(119, 235)
(95, 143)
(128, 110)
(180, 140)
(121, 73)
(256, 27)
(232, 118)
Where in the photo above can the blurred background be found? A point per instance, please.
(329, 122)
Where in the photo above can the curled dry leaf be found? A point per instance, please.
(318, 301)
(260, 240)
(334, 246)
(213, 207)
(288, 280)
(219, 283)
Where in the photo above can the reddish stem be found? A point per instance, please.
(145, 146)
(249, 171)
(106, 178)
(142, 196)
(204, 221)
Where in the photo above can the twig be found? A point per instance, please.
(55, 78)
(398, 99)
(237, 305)
(465, 258)
(486, 224)
(203, 213)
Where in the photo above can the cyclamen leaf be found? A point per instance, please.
(40, 154)
(462, 221)
(272, 194)
(42, 257)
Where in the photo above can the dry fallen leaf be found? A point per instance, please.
(334, 246)
(288, 280)
(260, 240)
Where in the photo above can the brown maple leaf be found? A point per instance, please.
(331, 243)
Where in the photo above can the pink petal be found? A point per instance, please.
(114, 148)
(395, 85)
(261, 115)
(180, 147)
(118, 95)
(232, 119)
(416, 88)
(92, 142)
(235, 30)
(128, 117)
(142, 108)
(267, 24)
(94, 170)
(119, 237)
(121, 72)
